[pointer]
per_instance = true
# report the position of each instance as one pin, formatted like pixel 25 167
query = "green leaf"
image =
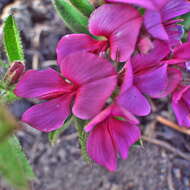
pixel 12 40
pixel 54 135
pixel 72 17
pixel 14 166
pixel 82 135
pixel 186 21
pixel 138 143
pixel 8 124
pixel 84 6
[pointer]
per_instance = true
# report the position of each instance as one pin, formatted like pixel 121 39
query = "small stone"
pixel 186 182
pixel 163 170
pixel 53 160
pixel 62 154
pixel 46 169
pixel 163 154
pixel 177 173
pixel 162 177
pixel 115 187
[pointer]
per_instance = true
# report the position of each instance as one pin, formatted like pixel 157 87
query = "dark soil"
pixel 61 167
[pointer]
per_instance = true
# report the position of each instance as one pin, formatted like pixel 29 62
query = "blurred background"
pixel 162 163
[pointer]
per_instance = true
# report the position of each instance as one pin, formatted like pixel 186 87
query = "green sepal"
pixel 186 22
pixel 71 16
pixel 14 167
pixel 54 135
pixel 139 143
pixel 6 93
pixel 12 41
pixel 82 135
pixel 84 6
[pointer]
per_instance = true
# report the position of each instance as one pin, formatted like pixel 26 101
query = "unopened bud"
pixel 145 45
pixel 14 72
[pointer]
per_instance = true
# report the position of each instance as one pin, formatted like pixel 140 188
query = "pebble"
pixel 62 154
pixel 163 154
pixel 186 182
pixel 116 187
pixel 177 173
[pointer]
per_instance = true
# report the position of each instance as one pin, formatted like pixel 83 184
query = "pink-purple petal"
pixel 82 67
pixel 175 33
pixel 50 115
pixel 178 94
pixel 115 22
pixel 175 8
pixel 153 24
pixel 120 111
pixel 182 51
pixel 42 84
pixel 123 41
pixel 131 99
pixel 124 135
pixel 152 82
pixel 98 118
pixel 145 44
pixel 141 61
pixel 91 97
pixel 76 42
pixel 174 78
pixel 100 147
pixel 128 77
pixel 149 4
pixel 182 113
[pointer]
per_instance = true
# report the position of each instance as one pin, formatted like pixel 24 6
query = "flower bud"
pixel 145 44
pixel 14 72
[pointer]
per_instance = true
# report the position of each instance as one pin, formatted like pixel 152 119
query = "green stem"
pixel 79 124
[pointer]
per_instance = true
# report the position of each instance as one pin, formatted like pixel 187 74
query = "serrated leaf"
pixel 54 135
pixel 12 40
pixel 82 135
pixel 84 6
pixel 8 124
pixel 72 17
pixel 14 166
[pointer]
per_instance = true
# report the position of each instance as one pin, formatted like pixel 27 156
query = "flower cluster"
pixel 106 77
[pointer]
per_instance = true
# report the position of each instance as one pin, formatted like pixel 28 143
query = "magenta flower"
pixel 160 25
pixel 113 22
pixel 182 52
pixel 181 55
pixel 147 74
pixel 72 43
pixel 149 4
pixel 181 105
pixel 110 135
pixel 90 81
